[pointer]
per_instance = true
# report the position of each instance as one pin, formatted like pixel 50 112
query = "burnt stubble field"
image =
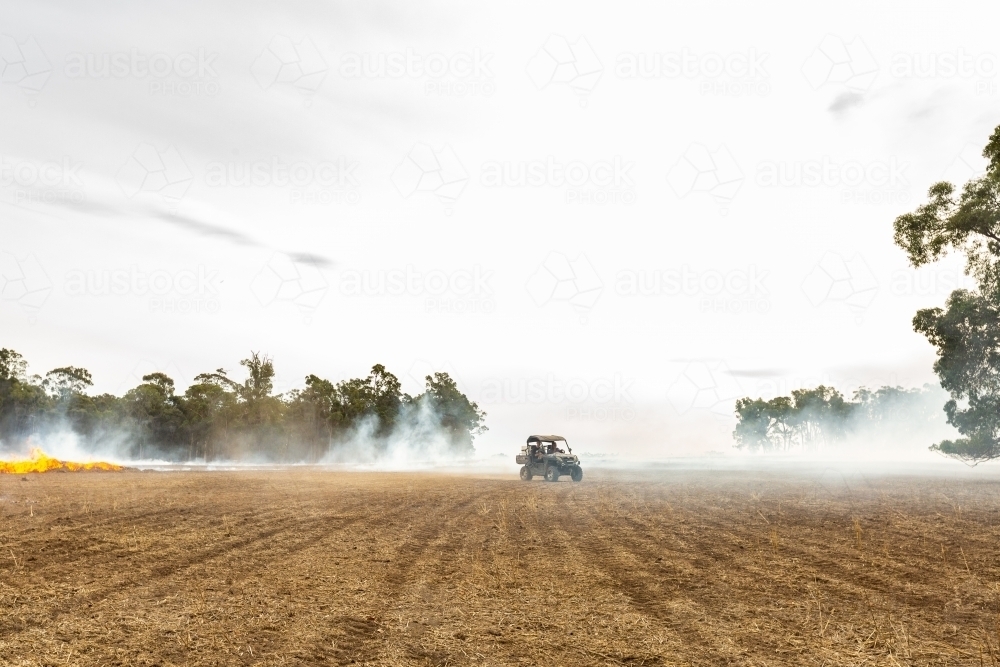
pixel 641 568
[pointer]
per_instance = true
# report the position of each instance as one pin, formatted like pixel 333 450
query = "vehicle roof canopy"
pixel 545 438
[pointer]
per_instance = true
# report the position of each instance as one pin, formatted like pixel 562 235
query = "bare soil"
pixel 657 568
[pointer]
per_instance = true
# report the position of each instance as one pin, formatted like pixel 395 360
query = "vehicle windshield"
pixel 552 447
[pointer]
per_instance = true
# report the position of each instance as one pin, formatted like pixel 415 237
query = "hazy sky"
pixel 606 220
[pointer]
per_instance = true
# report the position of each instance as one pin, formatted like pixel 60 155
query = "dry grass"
pixel 675 568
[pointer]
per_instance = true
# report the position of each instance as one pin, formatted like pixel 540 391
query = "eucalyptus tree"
pixel 966 332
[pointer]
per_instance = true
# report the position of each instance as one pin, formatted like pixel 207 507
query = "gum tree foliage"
pixel 222 417
pixel 966 332
pixel 814 418
pixel 22 398
pixel 460 418
pixel 808 418
pixel 151 413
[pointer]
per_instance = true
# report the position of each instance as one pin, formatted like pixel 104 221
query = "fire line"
pixel 39 461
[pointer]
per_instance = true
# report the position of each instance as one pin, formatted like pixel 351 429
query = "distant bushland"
pixel 813 419
pixel 222 417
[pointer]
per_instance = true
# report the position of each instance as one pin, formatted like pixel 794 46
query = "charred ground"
pixel 705 568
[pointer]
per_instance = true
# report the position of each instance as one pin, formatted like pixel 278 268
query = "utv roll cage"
pixel 553 439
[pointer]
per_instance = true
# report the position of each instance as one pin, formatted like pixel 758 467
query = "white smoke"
pixel 60 441
pixel 417 441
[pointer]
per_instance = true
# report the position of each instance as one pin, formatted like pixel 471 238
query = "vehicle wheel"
pixel 525 473
pixel 576 474
pixel 552 474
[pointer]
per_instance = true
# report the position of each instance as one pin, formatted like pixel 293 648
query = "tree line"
pixel 220 417
pixel 814 418
pixel 965 333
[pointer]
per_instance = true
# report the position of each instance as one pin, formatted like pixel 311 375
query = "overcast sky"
pixel 605 220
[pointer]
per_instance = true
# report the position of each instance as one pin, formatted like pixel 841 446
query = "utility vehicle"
pixel 541 455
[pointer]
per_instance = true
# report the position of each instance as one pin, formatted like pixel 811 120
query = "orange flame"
pixel 40 462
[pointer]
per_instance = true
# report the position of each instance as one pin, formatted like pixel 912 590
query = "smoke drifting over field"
pixel 369 422
pixel 217 418
pixel 417 440
pixel 889 423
